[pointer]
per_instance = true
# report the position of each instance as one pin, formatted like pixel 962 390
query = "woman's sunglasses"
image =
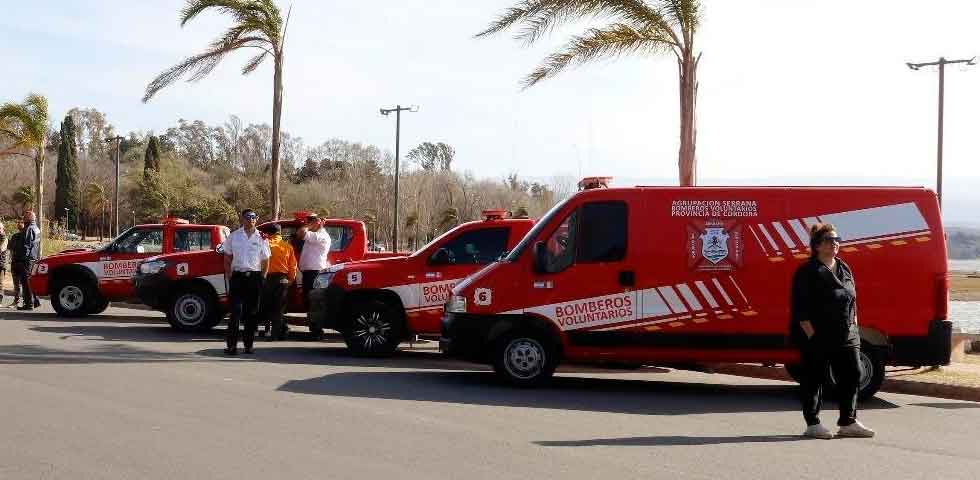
pixel 831 239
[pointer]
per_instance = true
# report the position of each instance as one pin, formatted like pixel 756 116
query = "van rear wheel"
pixel 525 358
pixel 872 372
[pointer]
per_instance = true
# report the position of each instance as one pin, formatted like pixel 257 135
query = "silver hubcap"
pixel 867 368
pixel 867 371
pixel 524 358
pixel 71 297
pixel 189 310
pixel 372 330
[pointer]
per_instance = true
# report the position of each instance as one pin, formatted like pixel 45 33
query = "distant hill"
pixel 964 243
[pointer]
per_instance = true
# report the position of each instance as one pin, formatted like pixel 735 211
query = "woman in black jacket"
pixel 824 326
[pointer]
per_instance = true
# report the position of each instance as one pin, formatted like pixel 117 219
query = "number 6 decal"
pixel 483 297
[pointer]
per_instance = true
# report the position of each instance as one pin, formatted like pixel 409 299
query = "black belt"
pixel 245 274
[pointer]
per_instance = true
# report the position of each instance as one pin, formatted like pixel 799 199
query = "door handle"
pixel 627 278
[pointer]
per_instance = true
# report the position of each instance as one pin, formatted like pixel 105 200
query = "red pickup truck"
pixel 190 287
pixel 84 281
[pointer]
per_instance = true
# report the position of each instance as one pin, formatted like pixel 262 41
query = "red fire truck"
pixel 376 304
pixel 656 275
pixel 190 287
pixel 84 281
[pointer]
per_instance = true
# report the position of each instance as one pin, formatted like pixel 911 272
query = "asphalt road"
pixel 122 396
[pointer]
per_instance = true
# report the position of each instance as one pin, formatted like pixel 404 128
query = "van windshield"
pixel 535 231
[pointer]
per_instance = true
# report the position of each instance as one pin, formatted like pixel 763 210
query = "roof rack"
pixel 174 221
pixel 498 214
pixel 592 183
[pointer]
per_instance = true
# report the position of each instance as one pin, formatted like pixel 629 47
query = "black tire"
pixel 99 305
pixel 795 372
pixel 73 297
pixel 872 372
pixel 193 310
pixel 525 358
pixel 373 328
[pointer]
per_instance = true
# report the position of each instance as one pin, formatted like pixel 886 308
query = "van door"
pixel 583 275
pixel 449 263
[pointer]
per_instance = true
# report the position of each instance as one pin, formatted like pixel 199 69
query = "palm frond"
pixel 686 13
pixel 193 8
pixel 612 41
pixel 541 17
pixel 254 63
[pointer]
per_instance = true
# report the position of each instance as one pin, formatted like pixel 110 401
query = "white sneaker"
pixel 818 431
pixel 855 430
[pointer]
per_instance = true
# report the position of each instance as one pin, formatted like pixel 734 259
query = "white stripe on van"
pixel 756 235
pixel 689 296
pixel 768 237
pixel 673 300
pixel 724 294
pixel 740 292
pixel 801 232
pixel 652 304
pixel 707 294
pixel 782 234
pixel 878 221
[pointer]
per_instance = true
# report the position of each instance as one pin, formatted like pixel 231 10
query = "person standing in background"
pixel 313 259
pixel 30 252
pixel 282 273
pixel 14 247
pixel 4 240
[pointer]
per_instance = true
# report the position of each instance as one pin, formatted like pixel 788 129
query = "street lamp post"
pixel 67 221
pixel 942 62
pixel 398 126
pixel 115 194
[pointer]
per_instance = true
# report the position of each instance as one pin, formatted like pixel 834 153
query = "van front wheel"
pixel 525 359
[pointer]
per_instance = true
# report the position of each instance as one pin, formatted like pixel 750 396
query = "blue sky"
pixel 789 89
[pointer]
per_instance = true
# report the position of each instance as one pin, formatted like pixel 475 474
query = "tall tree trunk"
pixel 686 161
pixel 276 118
pixel 39 191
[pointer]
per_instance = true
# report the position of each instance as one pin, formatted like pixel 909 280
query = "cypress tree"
pixel 66 183
pixel 151 159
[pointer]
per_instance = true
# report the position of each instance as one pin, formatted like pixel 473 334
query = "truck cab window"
pixel 340 238
pixel 476 247
pixel 560 246
pixel 141 241
pixel 192 240
pixel 603 233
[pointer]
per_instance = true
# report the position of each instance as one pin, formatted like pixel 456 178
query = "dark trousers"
pixel 273 304
pixel 22 273
pixel 243 295
pixel 309 276
pixel 846 365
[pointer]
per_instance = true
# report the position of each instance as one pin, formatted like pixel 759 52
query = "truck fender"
pixel 873 336
pixel 73 270
pixel 526 321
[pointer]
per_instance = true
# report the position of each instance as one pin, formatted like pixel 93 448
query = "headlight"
pixel 153 267
pixel 456 304
pixel 323 280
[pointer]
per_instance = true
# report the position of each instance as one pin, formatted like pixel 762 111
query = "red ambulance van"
pixel 661 275
pixel 84 281
pixel 376 304
pixel 190 287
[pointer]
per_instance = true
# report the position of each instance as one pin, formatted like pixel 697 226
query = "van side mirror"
pixel 540 257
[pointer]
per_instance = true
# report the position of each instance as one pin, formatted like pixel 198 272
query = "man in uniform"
pixel 246 265
pixel 313 259
pixel 282 273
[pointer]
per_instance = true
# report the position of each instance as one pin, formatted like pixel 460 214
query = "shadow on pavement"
pixel 947 405
pixel 36 316
pixel 130 333
pixel 335 354
pixel 646 397
pixel 110 353
pixel 670 441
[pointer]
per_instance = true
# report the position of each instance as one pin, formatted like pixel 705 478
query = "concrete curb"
pixel 892 385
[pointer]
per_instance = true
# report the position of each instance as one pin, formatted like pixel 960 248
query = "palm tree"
pixel 23 197
pixel 97 200
pixel 24 131
pixel 644 27
pixel 257 24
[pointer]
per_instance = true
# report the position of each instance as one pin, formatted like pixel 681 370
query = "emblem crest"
pixel 714 244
